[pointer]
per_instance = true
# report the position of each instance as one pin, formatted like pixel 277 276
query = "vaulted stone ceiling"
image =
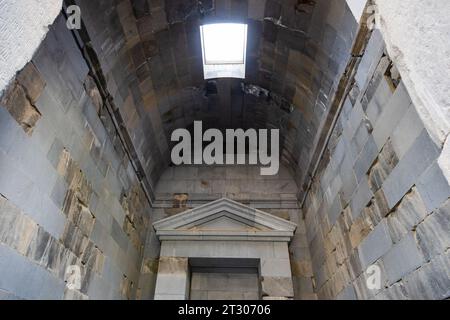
pixel 150 53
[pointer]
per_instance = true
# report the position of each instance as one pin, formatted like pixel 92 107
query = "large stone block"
pixel 172 278
pixel 395 292
pixel 303 287
pixel 433 233
pixel 408 129
pixel 361 198
pixel 18 231
pixel 407 216
pixel 20 107
pixel 402 259
pixel 348 178
pixel 378 80
pixel 379 101
pixel 419 157
pixel 354 122
pixel 31 81
pixel 276 267
pixel 391 116
pixel 433 187
pixel 431 282
pixel 365 160
pixel 335 210
pixel 36 282
pixel 10 131
pixel 347 294
pixel 359 230
pixel 119 235
pixel 375 245
pixel 372 56
pixel 277 287
pixel 359 140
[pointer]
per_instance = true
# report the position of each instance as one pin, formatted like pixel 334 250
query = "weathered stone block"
pixel 433 233
pixel 347 294
pixel 407 131
pixel 361 198
pixel 335 210
pixel 359 140
pixel 276 267
pixel 359 230
pixel 277 287
pixel 378 208
pixel 348 178
pixel 379 101
pixel 20 107
pixel 407 216
pixel 375 245
pixel 433 187
pixel 378 173
pixel 395 292
pixel 432 281
pixel 372 56
pixel 391 116
pixel 402 259
pixel 31 81
pixel 172 277
pixel 406 173
pixel 365 160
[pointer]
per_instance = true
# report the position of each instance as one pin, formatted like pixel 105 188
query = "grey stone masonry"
pixel 57 149
pixel 403 258
pixel 375 245
pixel 419 157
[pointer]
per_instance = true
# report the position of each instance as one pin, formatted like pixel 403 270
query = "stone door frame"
pixel 252 234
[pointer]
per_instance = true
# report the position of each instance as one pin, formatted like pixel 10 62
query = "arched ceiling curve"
pixel 150 53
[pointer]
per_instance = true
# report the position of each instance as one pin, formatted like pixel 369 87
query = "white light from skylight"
pixel 224 50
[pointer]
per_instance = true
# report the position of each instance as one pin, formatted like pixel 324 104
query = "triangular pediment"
pixel 224 219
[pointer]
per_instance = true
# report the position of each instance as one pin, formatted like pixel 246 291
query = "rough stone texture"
pixel 277 287
pixel 432 233
pixel 20 104
pixel 23 26
pixel 65 186
pixel 402 259
pixel 69 194
pixel 407 215
pixel 224 286
pixel 151 56
pixel 173 279
pixel 375 245
pixel 394 195
pixel 432 281
pixel 419 157
pixel 426 81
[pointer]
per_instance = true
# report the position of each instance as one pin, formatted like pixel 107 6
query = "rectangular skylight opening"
pixel 224 50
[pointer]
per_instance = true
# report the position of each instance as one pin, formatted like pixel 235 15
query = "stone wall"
pixel 185 187
pixel 224 286
pixel 426 23
pixel 68 193
pixel 379 196
pixel 150 53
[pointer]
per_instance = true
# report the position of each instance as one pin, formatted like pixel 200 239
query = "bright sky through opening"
pixel 224 43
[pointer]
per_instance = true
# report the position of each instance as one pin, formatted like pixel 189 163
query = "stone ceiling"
pixel 150 53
